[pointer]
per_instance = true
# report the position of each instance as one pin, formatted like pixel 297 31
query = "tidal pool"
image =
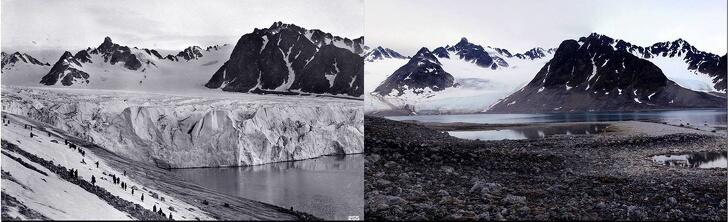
pixel 694 160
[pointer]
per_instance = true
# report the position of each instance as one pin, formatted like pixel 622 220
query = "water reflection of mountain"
pixel 535 133
pixel 325 163
pixel 697 159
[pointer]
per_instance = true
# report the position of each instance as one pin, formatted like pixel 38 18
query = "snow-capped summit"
pixel 288 59
pixel 535 53
pixel 380 53
pixel 68 70
pixel 9 60
pixel 321 38
pixel 192 52
pixel 473 53
pixel 593 75
pixel 422 74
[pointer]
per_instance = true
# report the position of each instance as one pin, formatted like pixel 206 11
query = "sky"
pixel 518 25
pixel 164 24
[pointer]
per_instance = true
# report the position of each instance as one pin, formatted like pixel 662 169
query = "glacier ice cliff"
pixel 186 131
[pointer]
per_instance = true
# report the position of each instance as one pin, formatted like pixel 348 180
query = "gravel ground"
pixel 416 173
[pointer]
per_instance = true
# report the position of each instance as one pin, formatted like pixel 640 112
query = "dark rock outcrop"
pixel 289 59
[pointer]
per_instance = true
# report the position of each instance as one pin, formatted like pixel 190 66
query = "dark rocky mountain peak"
pixel 423 72
pixel 698 61
pixel 475 53
pixel 591 74
pixel 189 53
pixel 67 70
pixel 289 59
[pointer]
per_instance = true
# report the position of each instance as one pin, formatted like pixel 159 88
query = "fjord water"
pixel 329 187
pixel 695 116
pixel 705 119
pixel 529 133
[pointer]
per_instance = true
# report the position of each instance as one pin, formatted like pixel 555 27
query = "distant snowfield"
pixel 676 70
pixel 377 71
pixel 59 199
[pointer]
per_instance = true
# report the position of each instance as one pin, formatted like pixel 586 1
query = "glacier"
pixel 184 131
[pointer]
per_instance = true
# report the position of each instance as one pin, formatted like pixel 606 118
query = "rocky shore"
pixel 417 173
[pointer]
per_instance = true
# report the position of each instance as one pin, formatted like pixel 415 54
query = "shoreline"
pixel 419 173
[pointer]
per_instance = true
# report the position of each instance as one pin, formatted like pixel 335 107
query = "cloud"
pixel 169 24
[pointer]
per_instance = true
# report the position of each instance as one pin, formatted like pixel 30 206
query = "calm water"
pixel 529 133
pixel 705 119
pixel 694 160
pixel 695 117
pixel 329 187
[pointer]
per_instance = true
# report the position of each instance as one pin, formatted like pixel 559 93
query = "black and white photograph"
pixel 182 110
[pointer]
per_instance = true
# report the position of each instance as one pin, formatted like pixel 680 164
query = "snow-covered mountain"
pixel 114 66
pixel 380 53
pixel 288 59
pixel 9 61
pixel 680 61
pixel 22 67
pixel 593 75
pixel 480 77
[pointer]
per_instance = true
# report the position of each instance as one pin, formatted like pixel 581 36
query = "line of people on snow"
pixel 74 172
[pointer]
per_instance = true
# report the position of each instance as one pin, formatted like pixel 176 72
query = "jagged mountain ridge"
pixel 288 59
pixel 72 69
pixel 697 61
pixel 487 57
pixel 9 60
pixel 592 75
pixel 380 53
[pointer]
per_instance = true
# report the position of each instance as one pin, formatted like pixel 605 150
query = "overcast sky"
pixel 518 25
pixel 165 24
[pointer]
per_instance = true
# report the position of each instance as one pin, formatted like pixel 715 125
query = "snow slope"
pixel 58 199
pixel 224 129
pixel 677 70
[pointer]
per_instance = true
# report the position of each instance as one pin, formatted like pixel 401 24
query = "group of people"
pixel 73 173
pixel 117 180
pixel 154 209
